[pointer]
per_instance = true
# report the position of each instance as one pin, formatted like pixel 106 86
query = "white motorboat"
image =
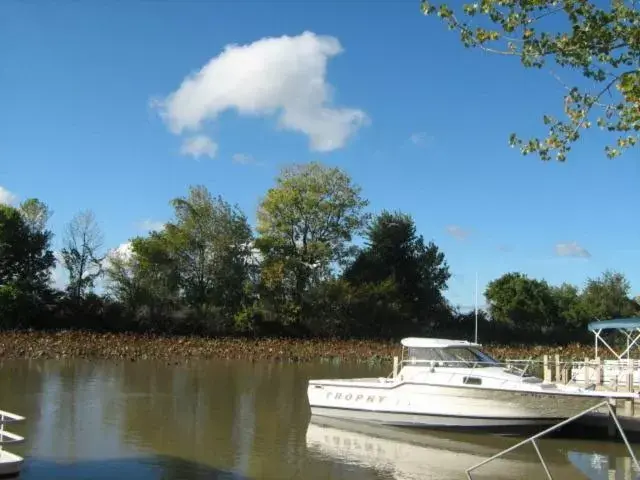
pixel 441 383
pixel 10 463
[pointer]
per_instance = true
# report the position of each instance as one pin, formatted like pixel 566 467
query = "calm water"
pixel 241 420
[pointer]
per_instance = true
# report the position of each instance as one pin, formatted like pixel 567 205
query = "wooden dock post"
pixel 628 468
pixel 545 368
pixel 599 372
pixel 612 429
pixel 586 371
pixel 558 367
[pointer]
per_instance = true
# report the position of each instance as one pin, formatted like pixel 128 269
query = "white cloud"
pixel 457 232
pixel 149 225
pixel 124 251
pixel 571 250
pixel 284 76
pixel 420 138
pixel 199 145
pixel 59 274
pixel 6 197
pixel 243 158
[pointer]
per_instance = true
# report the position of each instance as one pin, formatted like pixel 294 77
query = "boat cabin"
pixel 439 352
pixel 440 359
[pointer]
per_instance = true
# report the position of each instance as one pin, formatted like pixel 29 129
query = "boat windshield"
pixel 452 357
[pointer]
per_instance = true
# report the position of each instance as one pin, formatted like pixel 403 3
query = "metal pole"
pixel 555 427
pixel 622 434
pixel 544 465
pixel 476 336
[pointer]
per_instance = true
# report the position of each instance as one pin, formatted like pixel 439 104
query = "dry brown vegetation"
pixel 91 345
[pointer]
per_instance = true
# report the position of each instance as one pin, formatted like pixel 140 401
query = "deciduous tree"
pixel 417 271
pixel 199 263
pixel 36 214
pixel 211 241
pixel 607 297
pixel 83 242
pixel 25 266
pixel 571 307
pixel 144 278
pixel 306 223
pixel 25 256
pixel 526 303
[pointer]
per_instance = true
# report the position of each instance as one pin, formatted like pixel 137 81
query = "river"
pixel 242 420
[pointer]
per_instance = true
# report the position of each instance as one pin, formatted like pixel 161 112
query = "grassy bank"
pixel 91 345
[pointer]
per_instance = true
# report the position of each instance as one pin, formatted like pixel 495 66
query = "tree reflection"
pixel 242 416
pixel 206 419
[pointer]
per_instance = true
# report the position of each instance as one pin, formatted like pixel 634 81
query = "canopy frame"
pixel 630 327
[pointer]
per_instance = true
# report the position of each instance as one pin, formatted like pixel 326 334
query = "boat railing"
pixel 608 375
pixel 614 373
pixel 533 440
pixel 8 417
pixel 436 363
pixel 608 372
pixel 5 435
pixel 510 365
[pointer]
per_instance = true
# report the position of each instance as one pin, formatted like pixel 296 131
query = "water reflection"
pixel 159 467
pixel 235 420
pixel 407 455
pixel 596 466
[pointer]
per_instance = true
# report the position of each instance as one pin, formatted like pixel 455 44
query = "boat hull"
pixel 436 422
pixel 444 407
pixel 10 464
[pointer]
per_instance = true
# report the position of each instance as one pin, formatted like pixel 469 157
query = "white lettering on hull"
pixel 355 398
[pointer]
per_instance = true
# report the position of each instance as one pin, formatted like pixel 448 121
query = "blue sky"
pixel 87 121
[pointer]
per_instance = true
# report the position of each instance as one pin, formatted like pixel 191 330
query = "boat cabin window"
pixel 472 381
pixel 463 357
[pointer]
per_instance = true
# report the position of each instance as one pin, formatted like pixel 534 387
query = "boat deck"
pixel 382 381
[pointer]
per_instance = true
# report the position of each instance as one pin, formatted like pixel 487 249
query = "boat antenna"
pixel 476 310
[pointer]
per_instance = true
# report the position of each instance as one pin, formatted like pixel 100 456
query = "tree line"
pixel 301 273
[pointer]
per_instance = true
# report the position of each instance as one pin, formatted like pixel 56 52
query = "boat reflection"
pixel 598 466
pixel 404 454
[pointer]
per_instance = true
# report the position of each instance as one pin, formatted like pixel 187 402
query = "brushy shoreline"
pixel 130 346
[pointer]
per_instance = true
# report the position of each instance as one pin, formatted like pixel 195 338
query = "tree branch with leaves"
pixel 602 44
